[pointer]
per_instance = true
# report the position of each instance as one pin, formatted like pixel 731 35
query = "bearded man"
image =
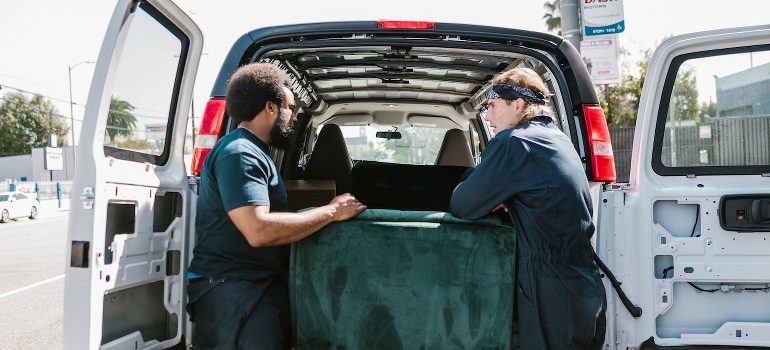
pixel 238 277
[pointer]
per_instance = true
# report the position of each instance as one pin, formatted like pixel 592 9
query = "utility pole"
pixel 72 114
pixel 570 22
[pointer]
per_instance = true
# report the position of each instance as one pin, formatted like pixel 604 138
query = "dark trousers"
pixel 239 314
pixel 560 306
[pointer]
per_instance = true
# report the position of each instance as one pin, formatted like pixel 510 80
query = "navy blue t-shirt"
pixel 237 172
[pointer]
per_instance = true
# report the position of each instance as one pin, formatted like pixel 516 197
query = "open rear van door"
pixel 131 204
pixel 689 235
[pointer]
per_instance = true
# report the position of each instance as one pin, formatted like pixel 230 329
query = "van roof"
pixel 448 64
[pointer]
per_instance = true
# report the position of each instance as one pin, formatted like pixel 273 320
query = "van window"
pixel 417 145
pixel 142 102
pixel 476 145
pixel 715 115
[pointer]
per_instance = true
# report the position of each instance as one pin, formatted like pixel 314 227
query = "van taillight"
pixel 599 144
pixel 208 133
pixel 406 24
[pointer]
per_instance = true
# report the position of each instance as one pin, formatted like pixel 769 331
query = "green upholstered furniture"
pixel 392 279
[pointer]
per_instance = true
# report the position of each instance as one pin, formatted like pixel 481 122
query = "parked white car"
pixel 14 205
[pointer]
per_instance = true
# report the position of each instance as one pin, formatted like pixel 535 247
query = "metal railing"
pixel 42 190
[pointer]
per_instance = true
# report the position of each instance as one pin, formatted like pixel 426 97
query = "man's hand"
pixel 499 207
pixel 346 206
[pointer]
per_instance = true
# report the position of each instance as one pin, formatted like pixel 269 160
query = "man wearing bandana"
pixel 531 170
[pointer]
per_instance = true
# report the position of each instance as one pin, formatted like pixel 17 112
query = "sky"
pixel 43 41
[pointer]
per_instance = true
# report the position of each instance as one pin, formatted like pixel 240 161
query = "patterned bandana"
pixel 510 92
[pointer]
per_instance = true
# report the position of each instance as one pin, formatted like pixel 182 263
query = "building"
pixel 744 92
pixel 32 167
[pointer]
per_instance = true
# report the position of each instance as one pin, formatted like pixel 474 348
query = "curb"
pixel 52 205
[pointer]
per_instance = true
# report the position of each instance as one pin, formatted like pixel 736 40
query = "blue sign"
pixel 614 28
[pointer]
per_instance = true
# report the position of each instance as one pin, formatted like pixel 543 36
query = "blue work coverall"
pixel 534 170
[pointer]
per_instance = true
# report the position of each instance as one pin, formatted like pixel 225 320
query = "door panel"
pixel 129 217
pixel 701 142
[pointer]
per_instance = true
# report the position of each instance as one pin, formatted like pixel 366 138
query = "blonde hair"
pixel 527 78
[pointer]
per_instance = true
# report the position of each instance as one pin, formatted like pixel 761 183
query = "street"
pixel 32 255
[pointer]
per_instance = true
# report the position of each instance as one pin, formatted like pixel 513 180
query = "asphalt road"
pixel 32 254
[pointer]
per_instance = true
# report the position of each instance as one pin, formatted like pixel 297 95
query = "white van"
pixel 683 245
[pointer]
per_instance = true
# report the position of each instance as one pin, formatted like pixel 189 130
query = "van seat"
pixel 330 159
pixel 455 150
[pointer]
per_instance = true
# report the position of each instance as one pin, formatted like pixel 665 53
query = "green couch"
pixel 392 279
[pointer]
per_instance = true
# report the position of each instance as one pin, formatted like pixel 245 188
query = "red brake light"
pixel 208 132
pixel 599 144
pixel 406 24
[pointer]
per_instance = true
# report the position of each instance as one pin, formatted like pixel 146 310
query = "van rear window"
pixel 414 145
pixel 714 115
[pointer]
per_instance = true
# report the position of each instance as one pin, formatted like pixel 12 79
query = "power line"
pixel 83 105
pixel 144 117
pixel 61 116
pixel 115 111
pixel 17 78
pixel 37 94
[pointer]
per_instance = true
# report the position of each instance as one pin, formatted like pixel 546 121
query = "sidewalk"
pixel 51 207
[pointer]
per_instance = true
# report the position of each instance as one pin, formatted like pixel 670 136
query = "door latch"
pixel 745 212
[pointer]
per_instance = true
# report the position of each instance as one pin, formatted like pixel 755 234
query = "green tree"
pixel 372 151
pixel 26 123
pixel 418 145
pixel 708 110
pixel 134 144
pixel 120 120
pixel 621 102
pixel 685 95
pixel 552 16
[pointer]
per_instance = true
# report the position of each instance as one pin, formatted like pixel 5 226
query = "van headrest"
pixel 455 150
pixel 330 159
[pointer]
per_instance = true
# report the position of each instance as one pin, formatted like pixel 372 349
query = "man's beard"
pixel 282 135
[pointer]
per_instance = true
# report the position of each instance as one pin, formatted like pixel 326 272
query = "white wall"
pixel 32 166
pixel 16 167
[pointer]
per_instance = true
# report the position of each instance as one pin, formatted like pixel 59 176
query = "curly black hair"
pixel 251 87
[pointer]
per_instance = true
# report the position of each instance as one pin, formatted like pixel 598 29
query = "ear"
pixel 519 103
pixel 271 107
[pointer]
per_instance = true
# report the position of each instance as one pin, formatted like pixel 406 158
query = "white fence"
pixel 42 190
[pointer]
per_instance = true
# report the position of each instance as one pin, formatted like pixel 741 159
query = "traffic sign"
pixel 602 17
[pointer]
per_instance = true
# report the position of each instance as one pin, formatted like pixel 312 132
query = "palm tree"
pixel 120 121
pixel 552 16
